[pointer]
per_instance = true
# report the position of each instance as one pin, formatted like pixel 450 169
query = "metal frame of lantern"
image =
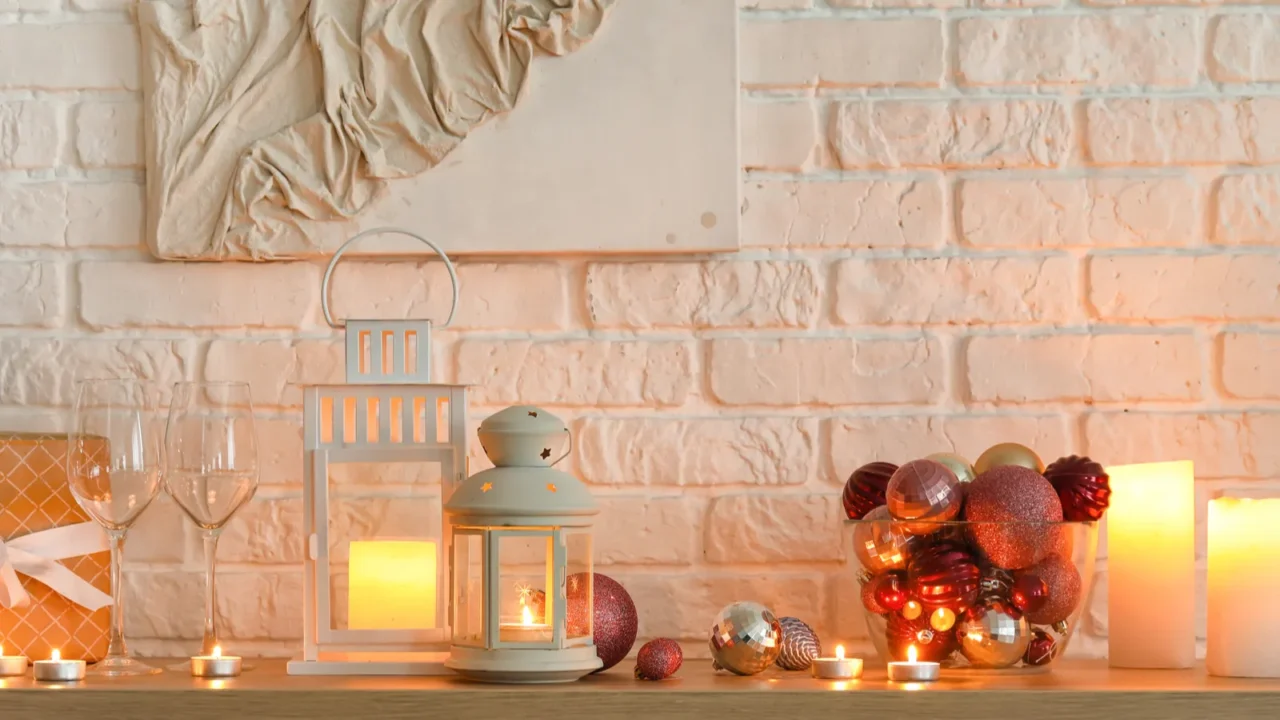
pixel 387 412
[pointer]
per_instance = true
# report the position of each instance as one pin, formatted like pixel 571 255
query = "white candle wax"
pixel 1243 638
pixel 838 667
pixel 12 665
pixel 55 669
pixel 216 665
pixel 1151 575
pixel 912 670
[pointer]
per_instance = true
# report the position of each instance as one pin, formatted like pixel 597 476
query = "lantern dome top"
pixel 523 419
pixel 522 496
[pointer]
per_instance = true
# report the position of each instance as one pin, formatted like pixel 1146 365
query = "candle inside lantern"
pixel 912 670
pixel 12 665
pixel 838 667
pixel 392 585
pixel 1243 638
pixel 1151 574
pixel 215 665
pixel 526 630
pixel 55 669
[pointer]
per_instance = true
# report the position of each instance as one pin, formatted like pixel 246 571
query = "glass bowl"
pixel 933 586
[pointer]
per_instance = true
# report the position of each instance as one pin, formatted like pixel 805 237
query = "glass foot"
pixel 122 667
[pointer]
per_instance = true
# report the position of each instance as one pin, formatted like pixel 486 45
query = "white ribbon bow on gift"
pixel 37 555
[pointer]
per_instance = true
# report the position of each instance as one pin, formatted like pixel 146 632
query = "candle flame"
pixel 839 652
pixel 528 615
pixel 217 651
pixel 56 656
pixel 911 654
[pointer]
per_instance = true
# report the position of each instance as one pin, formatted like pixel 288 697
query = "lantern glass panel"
pixel 526 587
pixel 468 588
pixel 578 584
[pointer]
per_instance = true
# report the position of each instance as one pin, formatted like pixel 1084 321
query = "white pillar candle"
pixel 1244 588
pixel 1151 575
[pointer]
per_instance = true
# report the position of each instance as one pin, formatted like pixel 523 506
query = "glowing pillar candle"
pixel 392 585
pixel 1244 588
pixel 1151 574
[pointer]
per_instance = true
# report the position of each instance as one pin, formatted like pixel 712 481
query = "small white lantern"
pixel 376 604
pixel 521 558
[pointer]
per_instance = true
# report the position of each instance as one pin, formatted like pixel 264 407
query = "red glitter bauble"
pixel 931 645
pixel 1029 593
pixel 888 591
pixel 1041 649
pixel 1064 589
pixel 864 491
pixel 1083 487
pixel 944 575
pixel 658 659
pixel 1010 506
pixel 614 616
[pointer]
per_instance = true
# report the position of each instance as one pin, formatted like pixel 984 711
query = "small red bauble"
pixel 865 489
pixel 1029 593
pixel 1040 650
pixel 1083 487
pixel 889 591
pixel 944 575
pixel 930 644
pixel 1064 596
pixel 1009 506
pixel 658 659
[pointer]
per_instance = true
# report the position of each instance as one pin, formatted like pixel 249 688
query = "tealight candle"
pixel 912 670
pixel 838 667
pixel 55 669
pixel 215 665
pixel 12 665
pixel 524 631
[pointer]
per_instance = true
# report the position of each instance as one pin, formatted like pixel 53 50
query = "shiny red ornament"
pixel 889 591
pixel 614 619
pixel 931 645
pixel 864 491
pixel 1083 487
pixel 944 575
pixel 1064 585
pixel 658 659
pixel 1040 650
pixel 1029 593
pixel 1008 507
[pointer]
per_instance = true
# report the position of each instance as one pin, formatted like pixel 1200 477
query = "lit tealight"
pixel 55 669
pixel 838 667
pixel 12 665
pixel 913 670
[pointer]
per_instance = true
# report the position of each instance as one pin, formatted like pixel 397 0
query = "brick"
pixel 92 5
pixel 29 5
pixel 261 605
pixel 1165 287
pixel 276 369
pixel 89 56
pixel 950 291
pixel 679 605
pixel 856 441
pixel 109 134
pixel 1245 48
pixel 781 136
pixel 40 371
pixel 960 134
pixel 506 297
pixel 1249 365
pixel 1164 131
pixel 741 294
pixel 229 295
pixel 577 372
pixel 34 215
pixel 1083 368
pixel 1128 212
pixel 647 531
pixel 839 53
pixel 1247 210
pixel 166 604
pixel 1223 445
pixel 266 530
pixel 158 535
pixel 774 528
pixel 856 4
pixel 31 133
pixel 849 214
pixel 106 215
pixel 697 452
pixel 827 371
pixel 32 294
pixel 1103 50
pixel 280 450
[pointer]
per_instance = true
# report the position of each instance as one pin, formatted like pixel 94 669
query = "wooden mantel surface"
pixel 1073 690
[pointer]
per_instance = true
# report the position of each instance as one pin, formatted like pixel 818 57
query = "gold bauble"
pixel 958 465
pixel 1008 454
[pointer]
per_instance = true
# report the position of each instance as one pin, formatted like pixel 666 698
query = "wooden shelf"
pixel 1072 691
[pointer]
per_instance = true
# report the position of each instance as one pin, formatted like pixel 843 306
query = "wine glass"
pixel 211 468
pixel 113 468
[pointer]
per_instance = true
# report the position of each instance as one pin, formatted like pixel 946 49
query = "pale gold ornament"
pixel 993 634
pixel 1008 454
pixel 958 465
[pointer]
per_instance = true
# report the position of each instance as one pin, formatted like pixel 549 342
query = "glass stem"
pixel 211 597
pixel 115 641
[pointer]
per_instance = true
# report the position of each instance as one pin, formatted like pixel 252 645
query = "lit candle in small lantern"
pixel 1151 574
pixel 55 669
pixel 526 630
pixel 838 667
pixel 392 585
pixel 912 670
pixel 1243 638
pixel 12 665
pixel 215 665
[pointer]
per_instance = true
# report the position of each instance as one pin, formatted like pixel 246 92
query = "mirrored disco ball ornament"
pixel 745 639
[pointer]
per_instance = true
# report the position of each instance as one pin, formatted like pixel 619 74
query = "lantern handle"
pixel 568 452
pixel 333 262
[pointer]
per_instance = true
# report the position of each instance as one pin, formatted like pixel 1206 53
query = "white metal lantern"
pixel 521 558
pixel 375 579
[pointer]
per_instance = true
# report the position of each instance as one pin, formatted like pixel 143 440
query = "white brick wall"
pixel 967 221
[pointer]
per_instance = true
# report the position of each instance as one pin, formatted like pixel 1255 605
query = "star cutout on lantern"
pixel 551 487
pixel 486 487
pixel 546 453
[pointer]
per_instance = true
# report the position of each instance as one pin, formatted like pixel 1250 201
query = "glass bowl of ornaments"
pixel 983 567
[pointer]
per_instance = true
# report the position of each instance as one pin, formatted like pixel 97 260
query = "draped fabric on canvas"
pixel 301 110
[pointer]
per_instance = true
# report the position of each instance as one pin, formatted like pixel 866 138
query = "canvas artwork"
pixel 280 128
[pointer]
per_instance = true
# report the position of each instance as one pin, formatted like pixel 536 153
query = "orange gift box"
pixel 35 496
